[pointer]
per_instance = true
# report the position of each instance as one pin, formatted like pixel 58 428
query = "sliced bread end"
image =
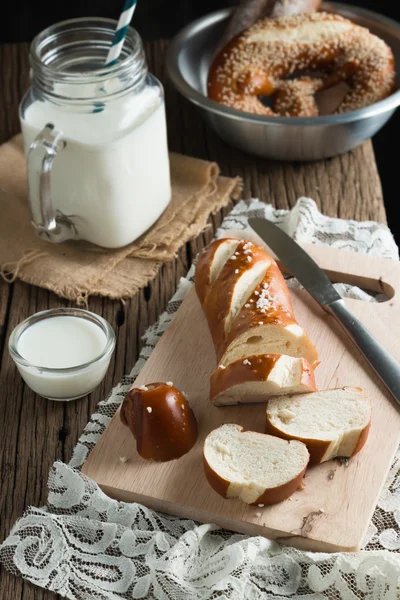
pixel 257 468
pixel 261 334
pixel 331 422
pixel 257 378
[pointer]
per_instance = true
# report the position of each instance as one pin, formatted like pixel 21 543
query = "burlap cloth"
pixel 77 270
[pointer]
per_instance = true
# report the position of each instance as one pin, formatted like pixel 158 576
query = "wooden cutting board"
pixel 334 509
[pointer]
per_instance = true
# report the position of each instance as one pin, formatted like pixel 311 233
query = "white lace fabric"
pixel 84 545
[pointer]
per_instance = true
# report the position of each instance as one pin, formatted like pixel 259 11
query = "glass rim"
pixel 103 24
pixel 56 312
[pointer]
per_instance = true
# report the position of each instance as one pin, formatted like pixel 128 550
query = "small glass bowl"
pixel 67 383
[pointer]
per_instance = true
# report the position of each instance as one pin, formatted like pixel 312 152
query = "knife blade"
pixel 316 282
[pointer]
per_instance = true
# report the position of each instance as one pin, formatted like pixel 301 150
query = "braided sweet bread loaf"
pixel 250 316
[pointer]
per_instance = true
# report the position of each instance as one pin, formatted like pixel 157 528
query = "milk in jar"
pixel 102 132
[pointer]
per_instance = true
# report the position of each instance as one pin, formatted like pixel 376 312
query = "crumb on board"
pixel 123 459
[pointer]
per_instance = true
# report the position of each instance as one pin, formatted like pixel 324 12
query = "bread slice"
pixel 257 468
pixel 262 338
pixel 331 422
pixel 257 378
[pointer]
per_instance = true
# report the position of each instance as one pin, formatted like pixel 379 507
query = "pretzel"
pixel 292 58
pixel 249 12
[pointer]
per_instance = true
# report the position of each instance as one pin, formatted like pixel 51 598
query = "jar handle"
pixel 49 225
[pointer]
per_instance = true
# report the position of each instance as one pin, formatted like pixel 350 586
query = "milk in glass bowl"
pixel 94 136
pixel 62 353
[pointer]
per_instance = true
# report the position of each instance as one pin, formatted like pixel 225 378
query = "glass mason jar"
pixel 94 136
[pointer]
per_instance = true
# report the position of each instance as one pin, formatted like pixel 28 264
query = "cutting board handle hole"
pixel 369 284
pixel 379 280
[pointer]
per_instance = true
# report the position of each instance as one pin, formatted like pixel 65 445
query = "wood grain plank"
pixel 347 186
pixel 5 299
pixel 30 432
pixel 15 80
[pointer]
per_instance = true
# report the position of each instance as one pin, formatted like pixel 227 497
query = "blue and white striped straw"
pixel 117 43
pixel 120 33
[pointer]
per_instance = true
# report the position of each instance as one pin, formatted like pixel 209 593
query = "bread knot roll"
pixel 161 420
pixel 278 57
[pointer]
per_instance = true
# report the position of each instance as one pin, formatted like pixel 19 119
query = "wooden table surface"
pixel 35 432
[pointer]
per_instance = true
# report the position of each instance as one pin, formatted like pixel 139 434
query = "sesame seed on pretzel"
pixel 292 58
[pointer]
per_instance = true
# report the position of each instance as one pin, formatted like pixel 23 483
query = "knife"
pixel 315 281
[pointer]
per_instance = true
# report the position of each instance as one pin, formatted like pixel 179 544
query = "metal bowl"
pixel 281 138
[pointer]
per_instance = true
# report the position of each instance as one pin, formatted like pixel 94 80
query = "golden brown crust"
pixel 203 268
pixel 247 67
pixel 161 421
pixel 218 483
pixel 269 304
pixel 217 303
pixel 278 494
pixel 362 439
pixel 253 368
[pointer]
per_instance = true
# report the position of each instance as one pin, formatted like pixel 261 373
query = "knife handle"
pixel 386 367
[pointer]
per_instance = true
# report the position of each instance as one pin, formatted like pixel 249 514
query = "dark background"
pixel 153 18
pixel 162 19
